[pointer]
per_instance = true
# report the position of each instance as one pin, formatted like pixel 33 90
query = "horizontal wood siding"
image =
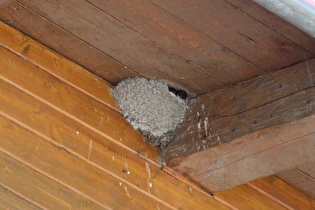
pixel 199 46
pixel 64 144
pixel 64 133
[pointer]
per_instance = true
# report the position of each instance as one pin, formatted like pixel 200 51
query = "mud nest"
pixel 152 107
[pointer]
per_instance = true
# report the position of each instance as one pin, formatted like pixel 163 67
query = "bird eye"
pixel 182 94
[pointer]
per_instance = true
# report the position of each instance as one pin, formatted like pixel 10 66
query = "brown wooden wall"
pixel 200 45
pixel 64 144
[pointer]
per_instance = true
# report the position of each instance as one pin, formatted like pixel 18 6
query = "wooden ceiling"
pixel 64 144
pixel 199 45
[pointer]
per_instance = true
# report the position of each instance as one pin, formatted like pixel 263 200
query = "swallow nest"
pixel 150 107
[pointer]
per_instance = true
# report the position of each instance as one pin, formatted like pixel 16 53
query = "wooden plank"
pixel 244 197
pixel 74 104
pixel 255 153
pixel 308 169
pixel 283 193
pixel 94 148
pixel 40 189
pixel 275 23
pixel 232 170
pixel 280 124
pixel 103 154
pixel 300 181
pixel 214 115
pixel 238 32
pixel 9 200
pixel 127 47
pixel 63 42
pixel 56 65
pixel 180 38
pixel 70 171
pixel 269 87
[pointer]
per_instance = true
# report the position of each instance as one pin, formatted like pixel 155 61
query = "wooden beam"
pixel 248 131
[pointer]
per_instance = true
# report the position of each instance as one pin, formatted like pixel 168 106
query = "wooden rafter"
pixel 253 129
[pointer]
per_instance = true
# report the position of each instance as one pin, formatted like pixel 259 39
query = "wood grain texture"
pixel 31 111
pixel 252 156
pixel 72 103
pixel 283 193
pixel 93 148
pixel 9 200
pixel 180 38
pixel 56 65
pixel 275 23
pixel 68 159
pixel 248 106
pixel 244 197
pixel 65 43
pixel 308 169
pixel 39 188
pixel 300 181
pixel 131 48
pixel 266 126
pixel 225 24
pixel 238 168
pixel 75 174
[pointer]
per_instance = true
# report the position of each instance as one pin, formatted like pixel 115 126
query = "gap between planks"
pixel 66 81
pixel 12 46
pixel 21 196
pixel 113 107
pixel 75 155
pixel 81 122
pixel 158 165
pixel 80 157
pixel 270 196
pixel 175 55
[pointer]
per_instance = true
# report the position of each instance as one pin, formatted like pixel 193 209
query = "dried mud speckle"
pixel 150 107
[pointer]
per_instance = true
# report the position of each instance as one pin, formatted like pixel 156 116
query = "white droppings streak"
pixel 149 177
pixel 219 140
pixel 127 192
pixel 90 149
pixel 190 189
pixel 206 123
pixel 309 71
pixel 148 170
pixel 113 157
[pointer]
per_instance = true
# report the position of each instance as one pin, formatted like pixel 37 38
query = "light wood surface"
pixel 57 153
pixel 46 132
